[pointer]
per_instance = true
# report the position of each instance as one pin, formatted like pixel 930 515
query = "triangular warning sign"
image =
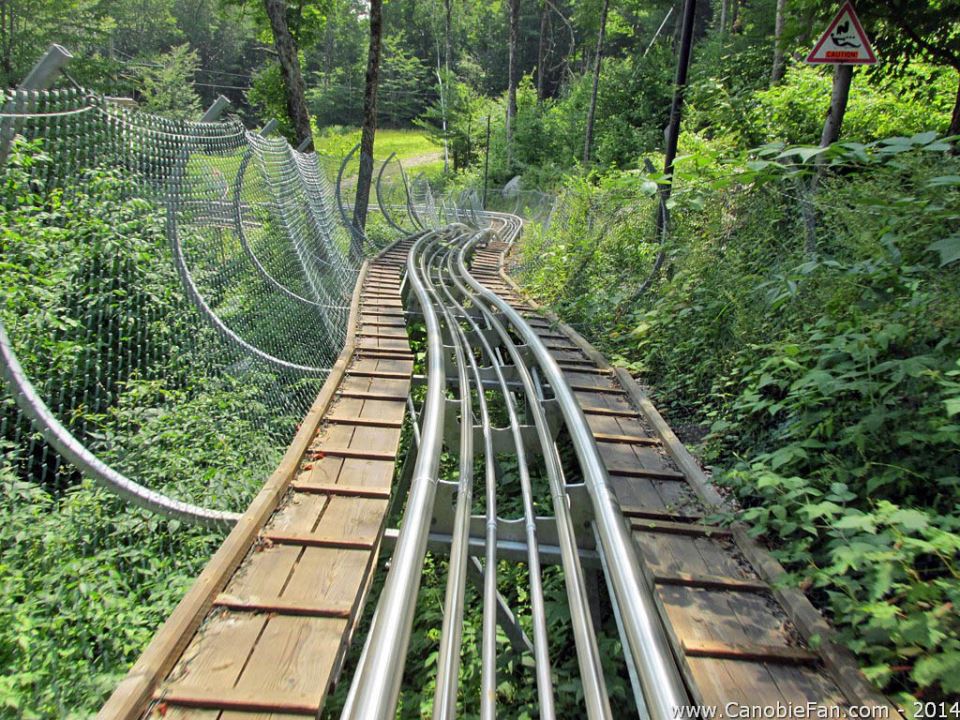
pixel 844 42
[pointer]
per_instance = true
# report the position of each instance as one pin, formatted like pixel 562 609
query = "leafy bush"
pixel 793 111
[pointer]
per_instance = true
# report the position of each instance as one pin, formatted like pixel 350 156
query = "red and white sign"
pixel 844 42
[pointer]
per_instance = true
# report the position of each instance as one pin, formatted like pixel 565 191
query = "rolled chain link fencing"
pixel 167 287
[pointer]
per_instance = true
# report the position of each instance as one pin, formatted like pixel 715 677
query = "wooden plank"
pixel 344 490
pixel 713 582
pixel 678 528
pixel 647 473
pixel 612 412
pixel 341 452
pixel 282 607
pixel 650 514
pixel 384 354
pixel 235 699
pixel 366 422
pixel 626 439
pixel 757 653
pixel 317 541
pixel 584 370
pixel 134 692
pixel 719 681
pixel 371 396
pixel 597 389
pixel 378 374
pixel 295 655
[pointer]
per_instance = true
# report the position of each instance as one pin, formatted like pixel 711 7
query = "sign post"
pixel 843 44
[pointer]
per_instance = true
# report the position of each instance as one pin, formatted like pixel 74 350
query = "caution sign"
pixel 844 42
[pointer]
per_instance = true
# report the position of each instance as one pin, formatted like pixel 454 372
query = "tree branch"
pixel 937 52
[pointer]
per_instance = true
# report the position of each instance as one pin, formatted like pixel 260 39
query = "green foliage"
pixel 86 579
pixel 829 383
pixel 167 84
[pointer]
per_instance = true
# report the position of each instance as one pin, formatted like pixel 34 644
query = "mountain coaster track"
pixel 265 629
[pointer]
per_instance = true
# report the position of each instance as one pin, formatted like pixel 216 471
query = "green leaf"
pixel 909 519
pixel 924 137
pixel 804 153
pixel 941 180
pixel 648 188
pixel 953 406
pixel 856 521
pixel 949 249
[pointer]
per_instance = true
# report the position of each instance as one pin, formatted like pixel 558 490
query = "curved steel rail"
pixel 245 244
pixel 383 208
pixel 33 406
pixel 591 669
pixel 537 602
pixel 376 683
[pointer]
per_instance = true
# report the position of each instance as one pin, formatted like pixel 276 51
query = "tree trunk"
pixel 369 123
pixel 776 73
pixel 842 75
pixel 723 15
pixel 955 120
pixel 591 113
pixel 514 6
pixel 290 69
pixel 542 53
pixel 447 57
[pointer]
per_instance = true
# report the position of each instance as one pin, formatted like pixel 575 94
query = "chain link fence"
pixel 170 290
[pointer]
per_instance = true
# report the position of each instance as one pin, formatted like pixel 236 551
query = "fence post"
pixel 40 77
pixel 47 68
pixel 268 128
pixel 216 109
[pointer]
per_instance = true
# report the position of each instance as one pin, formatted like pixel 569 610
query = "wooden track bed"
pixel 264 630
pixel 737 635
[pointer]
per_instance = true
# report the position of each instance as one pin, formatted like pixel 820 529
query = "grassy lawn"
pixel 413 147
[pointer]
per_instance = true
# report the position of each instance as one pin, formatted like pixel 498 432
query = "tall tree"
pixel 776 72
pixel 514 10
pixel 591 112
pixel 167 85
pixel 542 51
pixel 369 123
pixel 290 69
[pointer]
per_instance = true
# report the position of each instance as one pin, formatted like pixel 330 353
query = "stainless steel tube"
pixel 588 652
pixel 537 604
pixel 451 635
pixel 648 644
pixel 376 683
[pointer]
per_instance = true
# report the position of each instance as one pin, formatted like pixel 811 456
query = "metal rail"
pixel 437 274
pixel 376 684
pixel 649 646
pixel 591 670
pixel 474 361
